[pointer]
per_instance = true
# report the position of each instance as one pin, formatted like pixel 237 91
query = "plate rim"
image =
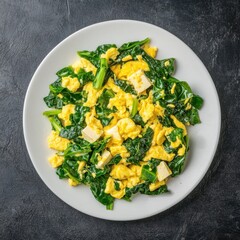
pixel 219 120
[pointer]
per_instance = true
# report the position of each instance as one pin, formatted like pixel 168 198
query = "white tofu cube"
pixel 104 159
pixel 90 135
pixel 113 132
pixel 140 81
pixel 163 171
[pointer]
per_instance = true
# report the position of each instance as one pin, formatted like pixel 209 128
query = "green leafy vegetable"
pixel 134 107
pixel 139 146
pixel 100 76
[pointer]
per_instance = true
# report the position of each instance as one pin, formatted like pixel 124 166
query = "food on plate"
pixel 119 120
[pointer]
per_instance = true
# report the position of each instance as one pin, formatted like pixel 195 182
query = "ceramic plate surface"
pixel 203 137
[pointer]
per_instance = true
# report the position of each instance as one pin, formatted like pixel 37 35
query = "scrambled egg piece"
pixel 119 101
pixel 56 142
pixel 115 149
pixel 179 124
pixel 110 188
pixel 93 122
pixel 127 58
pixel 151 51
pixel 111 53
pixel 71 83
pixel 181 151
pixel 121 172
pixel 83 63
pixel 56 160
pixel 130 67
pixel 146 108
pixel 72 182
pixel 156 185
pixel 159 153
pixel 159 134
pixel 93 95
pixel 128 129
pixel 173 88
pixel 176 143
pixel 67 110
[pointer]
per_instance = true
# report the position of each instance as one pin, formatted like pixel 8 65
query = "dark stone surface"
pixel 29 30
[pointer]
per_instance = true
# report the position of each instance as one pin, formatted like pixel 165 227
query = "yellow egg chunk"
pixel 128 129
pixel 121 172
pixel 130 67
pixel 159 134
pixel 93 94
pixel 71 83
pixel 83 63
pixel 176 143
pixel 81 165
pixel 159 153
pixel 111 53
pixel 116 149
pixel 136 169
pixel 151 51
pixel 119 101
pixel 146 108
pixel 72 182
pixel 173 88
pixel 179 124
pixel 56 161
pixel 156 185
pixel 127 58
pixel 93 122
pixel 188 106
pixel 56 142
pixel 110 188
pixel 133 181
pixel 181 151
pixel 67 110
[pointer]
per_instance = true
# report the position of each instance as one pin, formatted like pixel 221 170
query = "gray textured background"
pixel 28 31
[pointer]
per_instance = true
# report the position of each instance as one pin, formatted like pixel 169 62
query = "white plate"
pixel 203 137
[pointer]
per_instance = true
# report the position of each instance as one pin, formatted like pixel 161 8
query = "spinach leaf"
pixel 176 165
pixel 56 87
pixel 98 147
pixel 101 108
pixel 53 101
pixel 69 170
pixel 78 123
pixel 143 188
pixel 65 72
pixel 55 122
pixel 125 86
pixel 98 187
pixel 148 174
pixel 138 120
pixel 115 160
pixel 139 146
pixel 130 45
pixel 94 56
pixel 85 77
pixel 96 172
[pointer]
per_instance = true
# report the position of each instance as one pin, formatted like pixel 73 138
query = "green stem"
pixel 134 107
pixel 51 112
pixel 98 81
pixel 55 124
